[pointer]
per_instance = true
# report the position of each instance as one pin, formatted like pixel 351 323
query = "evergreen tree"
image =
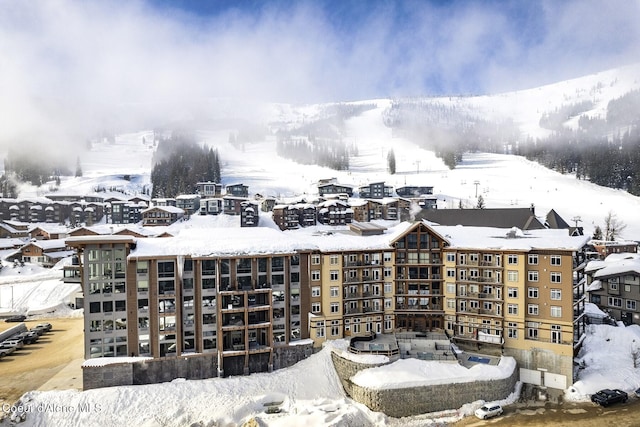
pixel 597 233
pixel 391 161
pixel 78 168
pixel 480 204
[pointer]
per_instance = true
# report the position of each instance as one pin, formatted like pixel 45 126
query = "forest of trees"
pixel 320 142
pixel 605 151
pixel 179 163
pixel 27 166
pixel 447 130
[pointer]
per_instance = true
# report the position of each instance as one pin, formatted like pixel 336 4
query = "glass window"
pixel 166 269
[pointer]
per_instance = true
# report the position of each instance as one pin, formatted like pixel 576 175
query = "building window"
pixel 333 260
pixel 532 309
pixel 451 272
pixel 556 277
pixel 335 330
pixel 320 329
pixel 614 302
pixel 451 288
pixel 387 303
pixel 388 288
pixel 512 259
pixel 556 334
pixel 315 259
pixel 333 275
pixel 315 307
pixel 512 309
pixel 315 291
pixel 451 257
pixel 533 259
pixel 335 307
pixel 631 304
pixel 512 330
pixel 451 303
pixel 533 292
pixel 512 292
pixel 315 275
pixel 387 257
pixel 334 292
pixel 512 276
pixel 533 276
pixel 556 294
pixel 388 272
pixel 555 259
pixel 532 330
pixel 556 311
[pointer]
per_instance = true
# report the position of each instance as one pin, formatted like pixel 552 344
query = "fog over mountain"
pixel 71 69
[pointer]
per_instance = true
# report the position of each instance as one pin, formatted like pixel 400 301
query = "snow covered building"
pixel 613 285
pixel 233 297
pixel 242 298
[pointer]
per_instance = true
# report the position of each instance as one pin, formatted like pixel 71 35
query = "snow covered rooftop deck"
pixel 505 239
pixel 220 242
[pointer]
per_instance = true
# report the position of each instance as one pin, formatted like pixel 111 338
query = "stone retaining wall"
pixel 192 367
pixel 404 402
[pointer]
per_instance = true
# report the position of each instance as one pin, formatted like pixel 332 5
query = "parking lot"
pixel 53 360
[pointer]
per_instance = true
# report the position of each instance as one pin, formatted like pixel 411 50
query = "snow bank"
pixel 406 373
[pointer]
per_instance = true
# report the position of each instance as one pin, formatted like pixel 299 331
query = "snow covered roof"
pixel 625 266
pixel 168 209
pixel 498 238
pixel 220 242
pixel 596 285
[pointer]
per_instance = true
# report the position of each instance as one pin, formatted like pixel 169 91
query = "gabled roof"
pixel 522 218
pixel 555 221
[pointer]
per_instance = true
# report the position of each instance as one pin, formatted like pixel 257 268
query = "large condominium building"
pixel 520 293
pixel 245 294
pixel 351 281
pixel 491 290
pixel 234 294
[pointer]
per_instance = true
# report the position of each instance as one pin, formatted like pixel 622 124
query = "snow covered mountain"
pixel 502 180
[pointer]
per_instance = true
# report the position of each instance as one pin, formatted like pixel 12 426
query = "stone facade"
pixel 404 402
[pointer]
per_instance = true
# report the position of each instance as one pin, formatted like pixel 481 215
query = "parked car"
pixel 488 411
pixel 607 397
pixel 6 351
pixel 7 347
pixel 29 337
pixel 637 392
pixel 17 318
pixel 46 326
pixel 17 343
pixel 38 331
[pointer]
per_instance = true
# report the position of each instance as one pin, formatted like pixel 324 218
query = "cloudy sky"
pixel 90 61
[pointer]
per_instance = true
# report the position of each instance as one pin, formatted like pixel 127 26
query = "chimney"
pixel 533 209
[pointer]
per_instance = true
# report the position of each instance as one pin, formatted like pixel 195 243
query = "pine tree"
pixel 391 162
pixel 480 204
pixel 597 233
pixel 78 168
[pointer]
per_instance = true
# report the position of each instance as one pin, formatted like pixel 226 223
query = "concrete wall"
pixel 195 367
pixel 538 358
pixel 404 402
pixel 13 330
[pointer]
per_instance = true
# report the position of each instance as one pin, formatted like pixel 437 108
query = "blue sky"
pixel 90 60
